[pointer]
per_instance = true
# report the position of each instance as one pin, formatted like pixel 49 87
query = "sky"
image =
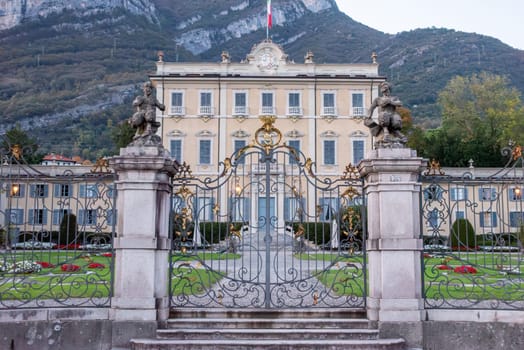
pixel 501 19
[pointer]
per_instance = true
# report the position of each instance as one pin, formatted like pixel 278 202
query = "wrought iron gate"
pixel 268 232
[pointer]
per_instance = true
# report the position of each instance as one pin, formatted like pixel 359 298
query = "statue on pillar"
pixel 387 128
pixel 144 118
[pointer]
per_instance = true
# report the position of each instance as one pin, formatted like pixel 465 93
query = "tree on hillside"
pixel 122 134
pixel 27 144
pixel 480 114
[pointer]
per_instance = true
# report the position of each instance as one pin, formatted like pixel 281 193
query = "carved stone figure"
pixel 387 128
pixel 144 118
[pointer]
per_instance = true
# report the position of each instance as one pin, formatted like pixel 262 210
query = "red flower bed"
pixel 96 265
pixel 45 264
pixel 465 269
pixel 107 255
pixel 444 267
pixel 69 267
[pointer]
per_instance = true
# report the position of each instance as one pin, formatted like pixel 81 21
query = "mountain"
pixel 70 67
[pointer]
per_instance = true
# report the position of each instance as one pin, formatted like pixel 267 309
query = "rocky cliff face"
pixel 197 36
pixel 13 12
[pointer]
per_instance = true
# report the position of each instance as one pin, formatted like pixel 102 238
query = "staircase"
pixel 248 329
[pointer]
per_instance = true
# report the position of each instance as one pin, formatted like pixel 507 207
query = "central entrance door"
pixel 264 211
pixel 267 232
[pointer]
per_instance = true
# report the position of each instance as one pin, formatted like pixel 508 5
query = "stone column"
pixel 394 245
pixel 141 294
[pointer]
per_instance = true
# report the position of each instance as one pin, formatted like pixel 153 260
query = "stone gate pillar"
pixel 141 294
pixel 394 245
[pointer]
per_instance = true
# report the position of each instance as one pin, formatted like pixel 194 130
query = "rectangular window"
pixel 357 104
pixel 14 216
pixel 239 207
pixel 176 149
pixel 516 218
pixel 205 103
pixel 488 219
pixel 240 107
pixel 177 103
pixel 459 194
pixel 328 104
pixel 329 152
pixel 37 216
pixel 88 191
pixel 111 191
pixel 459 214
pixel 358 151
pixel 267 103
pixel 515 194
pixel 111 217
pixel 63 190
pixel 487 194
pixel 433 219
pixel 293 156
pixel 238 145
pixel 328 207
pixel 58 215
pixel 294 104
pixel 293 209
pixel 16 190
pixel 39 190
pixel 87 217
pixel 204 152
pixel 204 208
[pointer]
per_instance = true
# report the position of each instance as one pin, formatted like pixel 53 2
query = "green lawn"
pixel 52 282
pixel 190 281
pixel 504 281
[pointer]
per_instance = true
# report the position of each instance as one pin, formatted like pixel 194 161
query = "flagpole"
pixel 268 19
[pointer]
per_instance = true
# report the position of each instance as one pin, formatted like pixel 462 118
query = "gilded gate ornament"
pixel 268 136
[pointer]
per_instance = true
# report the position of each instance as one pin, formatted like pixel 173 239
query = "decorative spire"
pixel 308 58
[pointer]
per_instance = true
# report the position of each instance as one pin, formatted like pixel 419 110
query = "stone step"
pixel 266 313
pixel 254 329
pixel 263 334
pixel 268 323
pixel 268 344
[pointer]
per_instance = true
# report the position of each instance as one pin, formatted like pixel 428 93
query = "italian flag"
pixel 269 19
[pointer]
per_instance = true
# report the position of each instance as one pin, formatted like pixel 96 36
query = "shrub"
pixel 463 235
pixel 317 232
pixel 214 232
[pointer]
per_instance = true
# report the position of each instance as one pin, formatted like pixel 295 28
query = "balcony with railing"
pixel 240 111
pixel 358 112
pixel 177 110
pixel 329 111
pixel 206 111
pixel 267 110
pixel 274 168
pixel 295 111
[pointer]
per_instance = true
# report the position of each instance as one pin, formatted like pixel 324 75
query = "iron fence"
pixel 56 231
pixel 473 229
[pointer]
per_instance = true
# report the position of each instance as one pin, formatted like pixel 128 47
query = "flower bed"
pixel 21 267
pixel 95 265
pixel 69 267
pixel 465 269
